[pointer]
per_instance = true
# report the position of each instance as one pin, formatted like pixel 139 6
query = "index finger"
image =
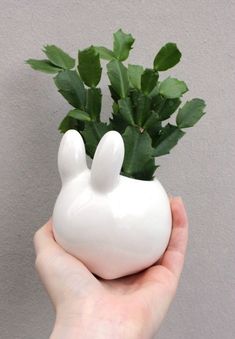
pixel 173 258
pixel 44 239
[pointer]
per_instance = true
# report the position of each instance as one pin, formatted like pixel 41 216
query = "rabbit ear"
pixel 71 155
pixel 107 161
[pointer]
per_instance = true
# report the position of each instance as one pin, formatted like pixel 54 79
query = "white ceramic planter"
pixel 115 225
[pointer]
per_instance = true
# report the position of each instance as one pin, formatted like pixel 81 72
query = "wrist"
pixel 98 330
pixel 90 325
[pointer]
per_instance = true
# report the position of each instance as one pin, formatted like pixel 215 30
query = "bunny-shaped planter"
pixel 114 224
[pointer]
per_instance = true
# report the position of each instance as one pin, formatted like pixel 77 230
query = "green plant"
pixel 142 103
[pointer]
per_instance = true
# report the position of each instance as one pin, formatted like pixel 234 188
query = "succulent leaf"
pixel 44 66
pixel 58 57
pixel 190 113
pixel 168 138
pixel 117 74
pixel 122 44
pixel 168 56
pixel 92 134
pixel 71 87
pixel 172 88
pixel 89 66
pixel 134 75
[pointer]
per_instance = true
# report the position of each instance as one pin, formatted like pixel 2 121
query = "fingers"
pixel 173 258
pixel 47 249
pixel 60 272
pixel 44 239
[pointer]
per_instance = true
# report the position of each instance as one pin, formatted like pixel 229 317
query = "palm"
pixel 144 296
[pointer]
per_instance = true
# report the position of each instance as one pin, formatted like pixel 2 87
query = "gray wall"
pixel 200 169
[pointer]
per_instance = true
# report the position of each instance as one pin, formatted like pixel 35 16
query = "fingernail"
pixel 179 198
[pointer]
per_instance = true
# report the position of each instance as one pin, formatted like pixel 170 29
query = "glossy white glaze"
pixel 115 225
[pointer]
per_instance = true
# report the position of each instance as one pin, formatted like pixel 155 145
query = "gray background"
pixel 200 169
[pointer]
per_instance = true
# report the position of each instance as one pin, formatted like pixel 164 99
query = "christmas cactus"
pixel 142 102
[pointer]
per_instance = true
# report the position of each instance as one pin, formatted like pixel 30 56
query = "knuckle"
pixel 36 237
pixel 173 286
pixel 38 262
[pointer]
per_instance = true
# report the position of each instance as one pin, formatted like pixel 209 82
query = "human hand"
pixel 125 308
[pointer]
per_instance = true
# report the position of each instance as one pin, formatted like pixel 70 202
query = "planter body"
pixel 114 224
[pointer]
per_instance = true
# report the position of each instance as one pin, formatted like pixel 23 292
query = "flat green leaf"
pixel 154 132
pixel 143 109
pixel 157 101
pixel 89 66
pixel 154 92
pixel 147 173
pixel 43 66
pixel 70 123
pixel 168 138
pixel 122 44
pixel 58 57
pixel 152 120
pixel 93 103
pixel 104 53
pixel 190 113
pixel 148 80
pixel 166 107
pixel 167 57
pixel 92 134
pixel 134 95
pixel 71 87
pixel 172 88
pixel 117 123
pixel 125 108
pixel 79 115
pixel 115 108
pixel 114 95
pixel 134 75
pixel 138 154
pixel 117 74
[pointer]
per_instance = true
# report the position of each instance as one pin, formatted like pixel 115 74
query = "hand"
pixel 130 307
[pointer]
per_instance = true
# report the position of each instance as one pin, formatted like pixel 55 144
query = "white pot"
pixel 114 224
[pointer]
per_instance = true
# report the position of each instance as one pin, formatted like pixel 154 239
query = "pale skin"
pixel 132 307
